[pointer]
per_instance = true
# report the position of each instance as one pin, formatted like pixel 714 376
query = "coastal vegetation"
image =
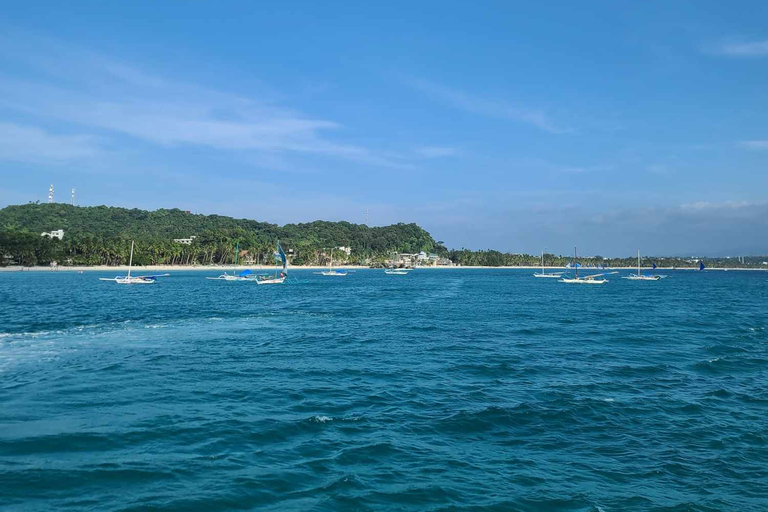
pixel 101 235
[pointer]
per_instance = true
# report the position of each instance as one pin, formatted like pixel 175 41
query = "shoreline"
pixel 229 268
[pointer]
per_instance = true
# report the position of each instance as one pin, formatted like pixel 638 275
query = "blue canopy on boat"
pixel 245 273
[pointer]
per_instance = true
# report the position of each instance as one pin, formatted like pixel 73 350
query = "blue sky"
pixel 516 126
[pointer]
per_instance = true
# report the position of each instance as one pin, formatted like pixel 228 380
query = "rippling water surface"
pixel 441 390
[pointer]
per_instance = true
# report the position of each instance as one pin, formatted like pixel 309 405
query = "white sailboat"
pixel 394 271
pixel 331 271
pixel 277 277
pixel 397 271
pixel 129 279
pixel 550 275
pixel 245 275
pixel 639 276
pixel 590 279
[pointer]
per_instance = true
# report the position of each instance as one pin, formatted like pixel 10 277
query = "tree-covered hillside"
pixel 99 235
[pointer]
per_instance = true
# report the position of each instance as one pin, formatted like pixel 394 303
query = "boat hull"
pixel 584 281
pixel 134 280
pixel 279 280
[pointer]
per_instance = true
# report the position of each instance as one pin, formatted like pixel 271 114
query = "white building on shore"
pixel 59 233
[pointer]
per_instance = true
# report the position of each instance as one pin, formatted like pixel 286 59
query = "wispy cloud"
pixel 699 206
pixel 755 144
pixel 742 49
pixel 436 151
pixel 484 106
pixel 584 169
pixel 107 97
pixel 20 143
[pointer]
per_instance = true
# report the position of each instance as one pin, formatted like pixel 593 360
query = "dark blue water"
pixel 461 389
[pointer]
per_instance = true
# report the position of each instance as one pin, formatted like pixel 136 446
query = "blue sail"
pixel 654 266
pixel 280 256
pixel 701 265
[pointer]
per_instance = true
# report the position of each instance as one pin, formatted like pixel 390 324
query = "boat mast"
pixel 542 262
pixel 130 260
pixel 575 264
pixel 638 263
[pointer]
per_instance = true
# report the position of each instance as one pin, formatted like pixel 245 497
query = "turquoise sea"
pixel 443 390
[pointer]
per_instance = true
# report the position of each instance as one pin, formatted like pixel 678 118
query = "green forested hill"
pixel 108 221
pixel 100 235
pixel 97 235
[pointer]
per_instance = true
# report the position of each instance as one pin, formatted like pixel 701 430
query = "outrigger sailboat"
pixel 277 277
pixel 245 275
pixel 331 271
pixel 590 279
pixel 242 276
pixel 551 275
pixel 639 276
pixel 129 279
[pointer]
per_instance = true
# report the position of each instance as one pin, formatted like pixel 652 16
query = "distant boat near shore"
pixel 245 275
pixel 397 271
pixel 639 276
pixel 129 279
pixel 543 274
pixel 331 271
pixel 277 277
pixel 392 270
pixel 590 279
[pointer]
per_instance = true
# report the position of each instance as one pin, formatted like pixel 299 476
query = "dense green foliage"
pixel 100 236
pixel 492 258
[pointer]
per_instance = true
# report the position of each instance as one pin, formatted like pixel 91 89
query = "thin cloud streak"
pixel 755 144
pixel 22 143
pixel 436 151
pixel 750 49
pixel 107 95
pixel 483 106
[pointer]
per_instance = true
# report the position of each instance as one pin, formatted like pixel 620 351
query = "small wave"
pixel 322 419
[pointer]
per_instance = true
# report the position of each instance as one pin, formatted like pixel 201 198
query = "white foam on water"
pixel 322 419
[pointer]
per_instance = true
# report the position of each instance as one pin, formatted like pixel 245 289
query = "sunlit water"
pixel 440 390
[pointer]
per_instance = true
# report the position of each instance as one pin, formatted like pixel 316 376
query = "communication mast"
pixel 73 197
pixel 50 194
